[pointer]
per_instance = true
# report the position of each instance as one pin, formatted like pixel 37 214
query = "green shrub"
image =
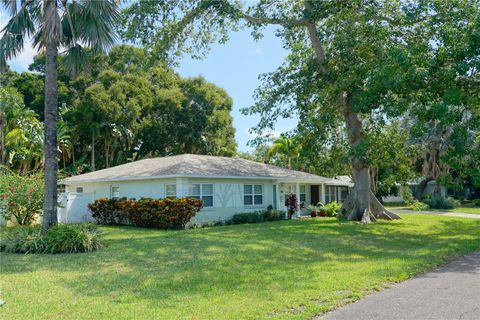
pixel 63 238
pixel 332 208
pixel 416 205
pixel 21 197
pixel 407 195
pixel 439 202
pixel 476 202
pixel 71 238
pixel 248 217
pixel 22 239
pixel 257 216
pixel 168 213
pixel 274 215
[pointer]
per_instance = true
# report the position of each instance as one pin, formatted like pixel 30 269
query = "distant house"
pixel 226 185
pixel 430 189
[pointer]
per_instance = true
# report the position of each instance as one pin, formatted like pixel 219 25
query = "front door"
pixel 314 194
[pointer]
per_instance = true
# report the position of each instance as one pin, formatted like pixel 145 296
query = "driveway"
pixel 449 292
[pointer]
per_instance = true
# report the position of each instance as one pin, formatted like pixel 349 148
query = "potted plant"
pixel 316 210
pixel 313 210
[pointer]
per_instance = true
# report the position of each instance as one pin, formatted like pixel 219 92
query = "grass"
pixel 464 208
pixel 282 270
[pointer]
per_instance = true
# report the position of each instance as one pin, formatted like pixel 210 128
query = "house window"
pixel 330 194
pixel 303 194
pixel 79 189
pixel 115 192
pixel 171 190
pixel 252 194
pixel 203 191
pixel 343 193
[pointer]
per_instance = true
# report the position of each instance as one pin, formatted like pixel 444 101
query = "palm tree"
pixel 285 147
pixel 57 24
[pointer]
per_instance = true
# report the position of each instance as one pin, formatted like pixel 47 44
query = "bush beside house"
pixel 256 216
pixel 168 213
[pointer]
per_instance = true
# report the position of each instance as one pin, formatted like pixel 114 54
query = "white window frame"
pixel 329 195
pixel 166 190
pixel 304 193
pixel 112 193
pixel 253 194
pixel 201 194
pixel 79 189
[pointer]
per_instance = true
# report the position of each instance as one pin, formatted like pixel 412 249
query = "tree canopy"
pixel 125 107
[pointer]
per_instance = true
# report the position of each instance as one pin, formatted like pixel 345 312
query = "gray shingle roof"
pixel 190 165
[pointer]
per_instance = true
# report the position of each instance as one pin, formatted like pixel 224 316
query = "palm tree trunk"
pixel 51 104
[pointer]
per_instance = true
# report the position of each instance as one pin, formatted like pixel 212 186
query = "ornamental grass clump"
pixel 63 238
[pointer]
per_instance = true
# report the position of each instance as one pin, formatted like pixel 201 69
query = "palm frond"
pixel 75 59
pixel 12 41
pixel 97 23
pixel 10 6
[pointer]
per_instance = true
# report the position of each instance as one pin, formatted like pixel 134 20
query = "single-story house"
pixel 226 185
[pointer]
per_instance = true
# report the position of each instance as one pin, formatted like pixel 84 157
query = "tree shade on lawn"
pixel 288 269
pixel 54 23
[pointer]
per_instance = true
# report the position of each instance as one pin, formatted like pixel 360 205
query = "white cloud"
pixel 25 58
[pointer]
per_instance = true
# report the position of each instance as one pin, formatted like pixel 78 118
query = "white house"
pixel 226 185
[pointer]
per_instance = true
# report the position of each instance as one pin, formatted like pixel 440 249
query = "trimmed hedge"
pixel 63 238
pixel 168 213
pixel 257 216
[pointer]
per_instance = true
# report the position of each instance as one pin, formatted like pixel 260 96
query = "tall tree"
pixel 334 48
pixel 54 24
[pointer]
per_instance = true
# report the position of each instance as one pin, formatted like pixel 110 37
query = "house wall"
pixel 228 196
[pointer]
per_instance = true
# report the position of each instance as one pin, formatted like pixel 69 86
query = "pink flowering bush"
pixel 21 197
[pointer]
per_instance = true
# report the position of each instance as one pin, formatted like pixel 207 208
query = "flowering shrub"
pixel 21 197
pixel 169 213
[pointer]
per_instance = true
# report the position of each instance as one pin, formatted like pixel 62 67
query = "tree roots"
pixel 370 214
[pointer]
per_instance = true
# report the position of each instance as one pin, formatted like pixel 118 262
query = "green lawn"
pixel 462 209
pixel 286 269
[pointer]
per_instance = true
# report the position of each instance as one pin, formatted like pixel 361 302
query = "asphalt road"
pixel 449 292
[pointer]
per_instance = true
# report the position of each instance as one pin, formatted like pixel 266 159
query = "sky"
pixel 234 66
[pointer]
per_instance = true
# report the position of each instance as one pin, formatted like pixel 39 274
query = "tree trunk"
pixel 361 204
pixel 92 159
pixel 51 104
